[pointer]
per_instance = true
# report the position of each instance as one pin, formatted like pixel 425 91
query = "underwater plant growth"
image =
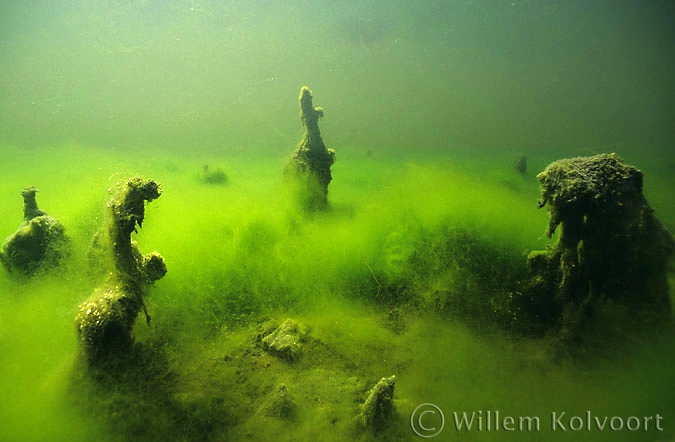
pixel 309 299
pixel 402 276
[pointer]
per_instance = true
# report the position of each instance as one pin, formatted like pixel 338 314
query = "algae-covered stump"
pixel 378 411
pixel 521 164
pixel 40 241
pixel 106 319
pixel 311 161
pixel 611 245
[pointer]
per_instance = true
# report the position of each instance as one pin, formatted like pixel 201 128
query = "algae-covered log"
pixel 611 246
pixel 39 242
pixel 106 319
pixel 311 161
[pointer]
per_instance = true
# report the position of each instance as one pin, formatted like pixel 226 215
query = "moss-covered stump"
pixel 378 410
pixel 106 319
pixel 40 241
pixel 611 246
pixel 521 164
pixel 311 162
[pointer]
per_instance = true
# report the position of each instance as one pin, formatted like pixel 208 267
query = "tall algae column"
pixel 40 241
pixel 611 245
pixel 311 161
pixel 106 319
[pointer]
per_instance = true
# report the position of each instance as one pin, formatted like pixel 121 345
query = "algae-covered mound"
pixel 284 341
pixel 611 245
pixel 280 404
pixel 105 319
pixel 378 410
pixel 39 242
pixel 213 175
pixel 311 161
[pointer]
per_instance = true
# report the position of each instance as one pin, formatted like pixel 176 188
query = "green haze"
pixel 531 75
pixel 413 270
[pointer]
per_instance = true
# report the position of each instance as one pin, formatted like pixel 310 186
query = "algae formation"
pixel 378 410
pixel 40 241
pixel 611 246
pixel 280 404
pixel 415 282
pixel 105 320
pixel 312 160
pixel 520 164
pixel 213 175
pixel 284 341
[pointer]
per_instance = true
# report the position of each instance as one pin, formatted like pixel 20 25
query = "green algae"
pixel 404 276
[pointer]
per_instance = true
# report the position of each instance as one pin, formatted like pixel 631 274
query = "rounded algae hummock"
pixel 106 318
pixel 40 241
pixel 312 160
pixel 213 175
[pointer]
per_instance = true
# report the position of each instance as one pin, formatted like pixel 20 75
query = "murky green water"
pixel 428 106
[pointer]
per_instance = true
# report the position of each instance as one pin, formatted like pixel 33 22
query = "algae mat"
pixel 406 275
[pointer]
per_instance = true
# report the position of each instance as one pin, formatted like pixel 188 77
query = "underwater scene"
pixel 337 221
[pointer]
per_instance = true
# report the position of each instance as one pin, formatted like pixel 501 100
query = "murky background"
pixel 427 104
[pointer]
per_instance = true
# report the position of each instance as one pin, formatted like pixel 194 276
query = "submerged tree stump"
pixel 378 410
pixel 106 319
pixel 311 162
pixel 40 241
pixel 611 246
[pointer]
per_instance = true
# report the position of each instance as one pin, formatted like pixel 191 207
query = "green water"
pixel 428 105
